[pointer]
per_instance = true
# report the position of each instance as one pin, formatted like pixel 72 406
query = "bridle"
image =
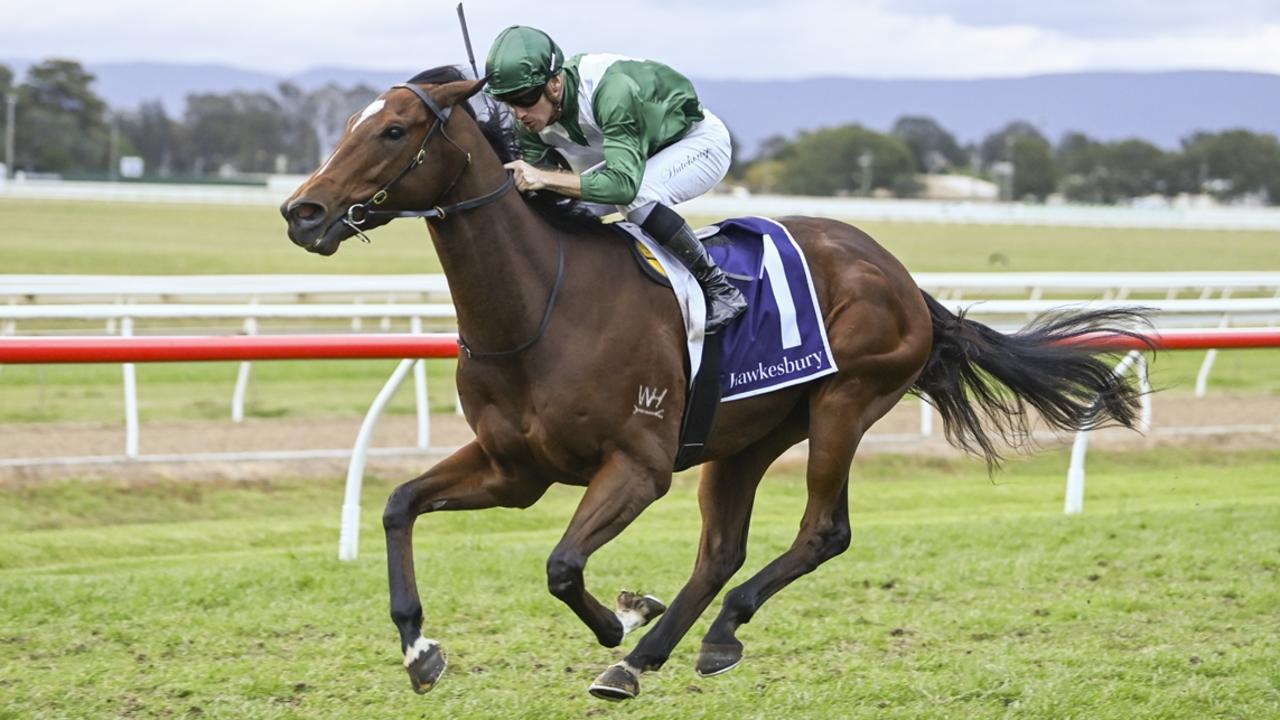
pixel 359 213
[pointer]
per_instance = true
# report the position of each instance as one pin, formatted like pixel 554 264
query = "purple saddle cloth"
pixel 780 340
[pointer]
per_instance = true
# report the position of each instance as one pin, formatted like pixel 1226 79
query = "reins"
pixel 359 214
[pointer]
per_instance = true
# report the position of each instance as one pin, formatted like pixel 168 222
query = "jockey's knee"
pixel 639 214
pixel 661 221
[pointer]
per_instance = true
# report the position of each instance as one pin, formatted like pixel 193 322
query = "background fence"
pixel 277 189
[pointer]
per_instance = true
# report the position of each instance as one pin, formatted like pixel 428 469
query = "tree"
pixel 1076 153
pixel 245 132
pixel 736 166
pixel 325 111
pixel 1230 165
pixel 6 80
pixel 995 147
pixel 763 175
pixel 933 148
pixel 774 147
pixel 6 89
pixel 155 136
pixel 1109 172
pixel 1029 156
pixel 1033 170
pixel 299 136
pixel 1136 167
pixel 831 161
pixel 60 124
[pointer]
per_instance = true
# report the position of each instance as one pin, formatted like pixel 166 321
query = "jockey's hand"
pixel 527 177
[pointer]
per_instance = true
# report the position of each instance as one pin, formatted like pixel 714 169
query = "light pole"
pixel 1003 171
pixel 866 161
pixel 1010 141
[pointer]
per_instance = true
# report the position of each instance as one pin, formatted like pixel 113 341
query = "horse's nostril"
pixel 306 213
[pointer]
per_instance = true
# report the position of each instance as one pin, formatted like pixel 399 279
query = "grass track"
pixel 961 597
pixel 125 238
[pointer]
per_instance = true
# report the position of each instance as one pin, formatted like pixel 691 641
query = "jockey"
pixel 633 135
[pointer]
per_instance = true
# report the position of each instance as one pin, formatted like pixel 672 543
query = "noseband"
pixel 359 213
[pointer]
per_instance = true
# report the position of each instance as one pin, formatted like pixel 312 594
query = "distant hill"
pixel 1160 107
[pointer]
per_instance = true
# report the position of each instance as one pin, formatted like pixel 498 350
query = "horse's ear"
pixel 455 92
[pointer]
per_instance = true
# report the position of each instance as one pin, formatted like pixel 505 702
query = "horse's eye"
pixel 395 132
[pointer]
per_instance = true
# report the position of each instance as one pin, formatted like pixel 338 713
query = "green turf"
pixel 961 597
pixel 120 238
pixel 978 248
pixel 140 239
pixel 196 391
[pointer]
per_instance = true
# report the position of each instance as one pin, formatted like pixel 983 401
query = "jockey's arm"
pixel 622 122
pixel 531 172
pixel 528 177
pixel 617 180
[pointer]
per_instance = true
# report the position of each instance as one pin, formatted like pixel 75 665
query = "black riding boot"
pixel 724 301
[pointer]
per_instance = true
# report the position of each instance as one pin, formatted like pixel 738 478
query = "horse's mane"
pixel 498 127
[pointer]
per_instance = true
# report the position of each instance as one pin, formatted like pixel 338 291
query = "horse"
pixel 559 328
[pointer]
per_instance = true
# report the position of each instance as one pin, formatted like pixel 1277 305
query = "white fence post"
pixel 1206 367
pixel 1074 503
pixel 242 375
pixel 349 538
pixel 420 392
pixel 9 327
pixel 424 407
pixel 1144 387
pixel 130 397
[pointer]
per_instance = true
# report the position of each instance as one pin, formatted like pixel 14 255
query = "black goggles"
pixel 526 98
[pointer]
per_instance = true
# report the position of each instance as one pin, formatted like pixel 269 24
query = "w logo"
pixel 649 401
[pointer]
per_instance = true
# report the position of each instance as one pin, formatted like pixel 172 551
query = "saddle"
pixel 780 341
pixel 652 267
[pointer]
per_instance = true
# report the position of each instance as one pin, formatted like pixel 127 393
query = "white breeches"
pixel 685 169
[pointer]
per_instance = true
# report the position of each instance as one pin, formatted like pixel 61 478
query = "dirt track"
pixel 898 432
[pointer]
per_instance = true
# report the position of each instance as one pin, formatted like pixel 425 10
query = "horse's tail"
pixel 1067 382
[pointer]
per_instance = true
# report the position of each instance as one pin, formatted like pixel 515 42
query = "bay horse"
pixel 560 329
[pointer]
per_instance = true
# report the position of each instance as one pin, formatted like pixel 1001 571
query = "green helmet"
pixel 522 57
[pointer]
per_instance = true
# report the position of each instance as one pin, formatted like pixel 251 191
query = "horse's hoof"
pixel 425 662
pixel 617 683
pixel 635 611
pixel 718 658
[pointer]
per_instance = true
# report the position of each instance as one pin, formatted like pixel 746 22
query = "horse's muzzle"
pixel 311 228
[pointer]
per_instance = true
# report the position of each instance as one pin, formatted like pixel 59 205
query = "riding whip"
pixel 466 38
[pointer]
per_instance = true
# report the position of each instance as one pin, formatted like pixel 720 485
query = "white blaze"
pixel 374 108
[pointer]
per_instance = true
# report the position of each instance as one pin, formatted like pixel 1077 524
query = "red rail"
pixel 1221 338
pixel 189 348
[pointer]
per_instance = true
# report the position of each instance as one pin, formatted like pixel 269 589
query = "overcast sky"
pixel 702 38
